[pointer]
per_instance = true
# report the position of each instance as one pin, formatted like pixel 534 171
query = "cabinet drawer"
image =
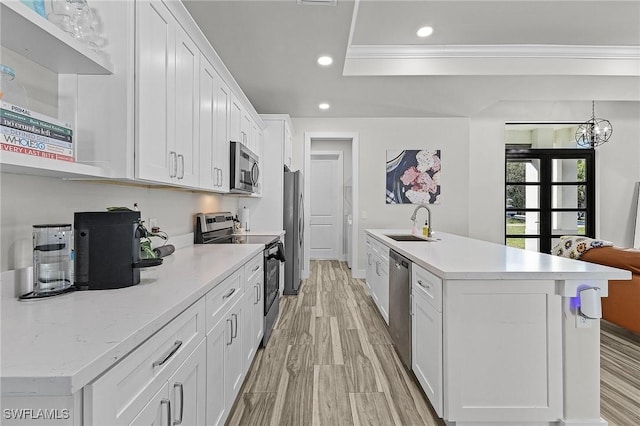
pixel 122 392
pixel 223 296
pixel 380 249
pixel 427 284
pixel 253 269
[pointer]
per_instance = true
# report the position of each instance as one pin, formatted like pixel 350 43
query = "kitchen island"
pixel 497 335
pixel 97 357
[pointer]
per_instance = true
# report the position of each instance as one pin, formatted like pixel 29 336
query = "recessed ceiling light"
pixel 425 32
pixel 324 105
pixel 325 61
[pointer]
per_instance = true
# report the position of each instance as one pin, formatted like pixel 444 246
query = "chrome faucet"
pixel 415 213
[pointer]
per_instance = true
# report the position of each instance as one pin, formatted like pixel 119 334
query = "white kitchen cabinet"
pixel 235 120
pixel 187 93
pixel 187 389
pixel 254 308
pixel 222 117
pixel 157 412
pixel 182 399
pixel 209 175
pixel 167 86
pixel 124 393
pixel 426 343
pixel 225 363
pixel 214 124
pixel 377 275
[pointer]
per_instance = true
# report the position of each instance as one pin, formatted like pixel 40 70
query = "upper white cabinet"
pixel 168 94
pixel 162 109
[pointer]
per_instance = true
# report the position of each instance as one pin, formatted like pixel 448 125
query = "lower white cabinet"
pixel 143 387
pixel 225 366
pixel 254 309
pixel 378 276
pixel 182 399
pixel 426 347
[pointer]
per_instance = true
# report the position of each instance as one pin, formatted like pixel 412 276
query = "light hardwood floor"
pixel 330 362
pixel 619 375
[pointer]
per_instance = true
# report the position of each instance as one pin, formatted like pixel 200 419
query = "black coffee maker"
pixel 107 249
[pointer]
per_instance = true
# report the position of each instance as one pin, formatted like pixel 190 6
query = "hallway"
pixel 341 368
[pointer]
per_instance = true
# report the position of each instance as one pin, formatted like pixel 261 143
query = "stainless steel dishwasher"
pixel 400 305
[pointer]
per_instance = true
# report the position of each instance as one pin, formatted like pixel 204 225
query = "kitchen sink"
pixel 408 237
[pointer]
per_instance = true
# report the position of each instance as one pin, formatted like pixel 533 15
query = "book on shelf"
pixel 35 152
pixel 21 125
pixel 36 142
pixel 26 132
pixel 35 120
pixel 32 137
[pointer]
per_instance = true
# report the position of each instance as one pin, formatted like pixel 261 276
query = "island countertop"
pixel 452 256
pixel 56 346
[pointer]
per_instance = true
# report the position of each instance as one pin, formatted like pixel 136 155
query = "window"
pixel 549 193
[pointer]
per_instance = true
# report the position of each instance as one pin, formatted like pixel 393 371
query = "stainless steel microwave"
pixel 245 169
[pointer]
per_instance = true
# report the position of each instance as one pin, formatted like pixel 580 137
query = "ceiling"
pixel 481 53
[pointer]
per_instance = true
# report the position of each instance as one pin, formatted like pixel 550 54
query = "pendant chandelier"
pixel 593 132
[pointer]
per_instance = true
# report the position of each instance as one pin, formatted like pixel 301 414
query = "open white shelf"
pixel 34 37
pixel 11 162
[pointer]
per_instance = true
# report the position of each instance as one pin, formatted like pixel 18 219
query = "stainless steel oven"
pixel 245 169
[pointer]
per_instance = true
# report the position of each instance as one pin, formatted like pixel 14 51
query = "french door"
pixel 549 193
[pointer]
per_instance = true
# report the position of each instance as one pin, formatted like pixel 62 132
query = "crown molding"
pixel 538 51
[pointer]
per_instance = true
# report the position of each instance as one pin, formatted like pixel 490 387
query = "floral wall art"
pixel 413 176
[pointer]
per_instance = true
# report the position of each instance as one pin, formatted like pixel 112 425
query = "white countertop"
pixel 56 346
pixel 456 257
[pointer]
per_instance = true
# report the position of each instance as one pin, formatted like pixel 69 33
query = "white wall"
pixel 30 200
pixel 617 164
pixel 376 135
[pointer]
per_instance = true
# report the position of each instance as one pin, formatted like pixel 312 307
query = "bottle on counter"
pixel 425 229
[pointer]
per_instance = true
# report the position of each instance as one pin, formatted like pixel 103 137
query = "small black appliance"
pixel 107 249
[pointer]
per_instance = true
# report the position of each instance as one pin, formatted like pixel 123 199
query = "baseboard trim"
pixel 583 422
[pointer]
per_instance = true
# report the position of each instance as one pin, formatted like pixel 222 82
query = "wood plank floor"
pixel 619 375
pixel 330 362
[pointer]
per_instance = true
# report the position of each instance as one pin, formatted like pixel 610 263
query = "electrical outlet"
pixel 582 322
pixel 153 223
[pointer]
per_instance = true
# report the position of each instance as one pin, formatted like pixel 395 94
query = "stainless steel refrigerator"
pixel 294 227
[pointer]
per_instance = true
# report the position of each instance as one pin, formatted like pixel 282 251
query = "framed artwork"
pixel 413 176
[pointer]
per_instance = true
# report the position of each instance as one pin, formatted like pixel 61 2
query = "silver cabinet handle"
pixel 173 164
pixel 369 258
pixel 164 358
pixel 221 177
pixel 230 331
pixel 424 286
pixel 256 268
pixel 233 290
pixel 167 403
pixel 411 304
pixel 257 294
pixel 377 265
pixel 181 388
pixel 235 326
pixel 214 173
pixel 181 157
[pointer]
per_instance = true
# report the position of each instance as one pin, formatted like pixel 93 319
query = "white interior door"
pixel 326 227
